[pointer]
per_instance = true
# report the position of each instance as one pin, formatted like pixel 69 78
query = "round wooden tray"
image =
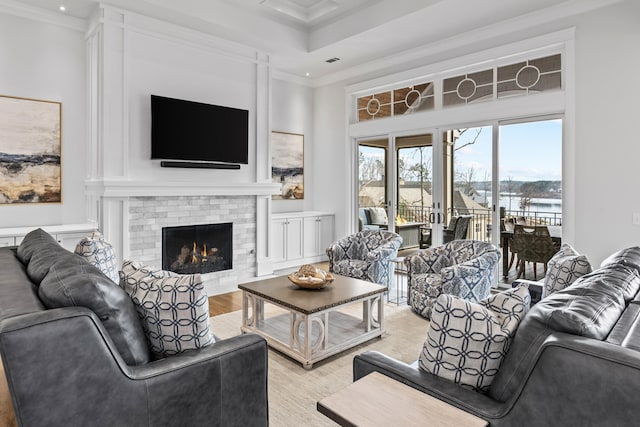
pixel 303 282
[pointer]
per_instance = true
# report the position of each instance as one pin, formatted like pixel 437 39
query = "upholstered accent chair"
pixel 463 268
pixel 365 255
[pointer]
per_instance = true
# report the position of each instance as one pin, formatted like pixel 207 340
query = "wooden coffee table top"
pixel 377 400
pixel 341 291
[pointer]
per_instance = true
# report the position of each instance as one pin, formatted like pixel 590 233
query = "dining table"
pixel 555 231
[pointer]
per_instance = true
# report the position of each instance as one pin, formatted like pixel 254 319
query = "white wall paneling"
pixel 133 57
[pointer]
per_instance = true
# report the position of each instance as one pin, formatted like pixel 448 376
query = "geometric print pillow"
pixel 564 268
pixel 467 342
pixel 174 308
pixel 139 270
pixel 99 253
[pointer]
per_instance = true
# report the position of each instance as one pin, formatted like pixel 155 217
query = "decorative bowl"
pixel 309 282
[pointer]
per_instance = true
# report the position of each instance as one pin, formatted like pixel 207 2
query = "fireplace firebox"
pixel 197 248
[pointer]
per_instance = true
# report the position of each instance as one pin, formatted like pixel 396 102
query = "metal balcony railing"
pixel 481 221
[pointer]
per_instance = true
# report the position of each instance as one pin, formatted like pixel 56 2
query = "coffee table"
pixel 310 325
pixel 377 400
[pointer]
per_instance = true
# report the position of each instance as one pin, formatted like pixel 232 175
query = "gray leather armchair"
pixel 69 366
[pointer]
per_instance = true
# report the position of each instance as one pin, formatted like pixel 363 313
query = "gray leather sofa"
pixel 575 359
pixel 90 365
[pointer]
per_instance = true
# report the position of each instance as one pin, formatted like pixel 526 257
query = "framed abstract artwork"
pixel 287 165
pixel 30 147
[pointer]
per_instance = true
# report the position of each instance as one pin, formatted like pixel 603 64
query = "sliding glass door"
pixel 530 171
pixel 467 167
pixel 395 185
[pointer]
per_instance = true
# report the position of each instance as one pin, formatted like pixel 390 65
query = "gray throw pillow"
pixel 564 268
pixel 75 282
pixel 39 251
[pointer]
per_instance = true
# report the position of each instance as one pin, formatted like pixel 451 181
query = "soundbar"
pixel 198 165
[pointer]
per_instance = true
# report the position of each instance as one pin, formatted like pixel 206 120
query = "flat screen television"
pixel 194 131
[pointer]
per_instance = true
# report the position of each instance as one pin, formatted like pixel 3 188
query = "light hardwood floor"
pixel 225 303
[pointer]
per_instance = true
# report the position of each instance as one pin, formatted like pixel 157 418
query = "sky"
pixel 528 152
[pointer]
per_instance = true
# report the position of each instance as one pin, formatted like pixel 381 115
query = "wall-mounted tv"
pixel 194 131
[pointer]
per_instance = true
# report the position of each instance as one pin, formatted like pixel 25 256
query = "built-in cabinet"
pixel 67 235
pixel 300 238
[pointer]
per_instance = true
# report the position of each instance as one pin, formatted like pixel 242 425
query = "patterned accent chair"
pixel 365 255
pixel 463 268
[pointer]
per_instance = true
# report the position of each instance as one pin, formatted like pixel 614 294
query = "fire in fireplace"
pixel 197 248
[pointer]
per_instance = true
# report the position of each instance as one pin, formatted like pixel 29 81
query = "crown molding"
pixel 17 8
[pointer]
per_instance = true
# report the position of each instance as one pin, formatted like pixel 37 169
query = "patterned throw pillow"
pixel 174 308
pixel 99 253
pixel 564 268
pixel 466 342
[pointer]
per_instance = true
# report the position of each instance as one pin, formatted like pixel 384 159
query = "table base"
pixel 309 338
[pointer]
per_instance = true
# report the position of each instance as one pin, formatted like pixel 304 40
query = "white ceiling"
pixel 301 35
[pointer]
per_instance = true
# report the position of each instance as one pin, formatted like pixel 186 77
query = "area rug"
pixel 294 391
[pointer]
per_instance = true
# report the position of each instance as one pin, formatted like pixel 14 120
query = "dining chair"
pixel 532 244
pixel 459 230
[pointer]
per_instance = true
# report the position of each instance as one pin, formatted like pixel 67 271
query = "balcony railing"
pixel 481 221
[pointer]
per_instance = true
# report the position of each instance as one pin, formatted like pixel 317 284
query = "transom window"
pixel 521 78
pixel 404 100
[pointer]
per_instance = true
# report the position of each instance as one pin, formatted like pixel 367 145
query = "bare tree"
pixel 525 200
pixel 473 141
pixel 465 179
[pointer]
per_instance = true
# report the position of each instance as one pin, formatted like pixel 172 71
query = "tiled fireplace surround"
pixel 148 215
pixel 131 215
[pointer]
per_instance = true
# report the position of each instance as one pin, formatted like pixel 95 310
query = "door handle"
pixel 432 217
pixel 439 222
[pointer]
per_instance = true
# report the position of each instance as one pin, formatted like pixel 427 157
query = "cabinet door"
pixel 70 240
pixel 294 238
pixel 7 241
pixel 311 236
pixel 325 233
pixel 279 240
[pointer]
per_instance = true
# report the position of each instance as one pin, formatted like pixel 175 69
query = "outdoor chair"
pixel 456 230
pixel 463 268
pixel 532 244
pixel 365 255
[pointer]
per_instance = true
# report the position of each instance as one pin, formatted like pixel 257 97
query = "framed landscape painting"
pixel 287 165
pixel 30 146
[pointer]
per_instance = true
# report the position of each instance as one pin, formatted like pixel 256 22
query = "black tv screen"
pixel 194 131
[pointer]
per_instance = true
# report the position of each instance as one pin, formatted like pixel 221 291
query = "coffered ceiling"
pixel 301 35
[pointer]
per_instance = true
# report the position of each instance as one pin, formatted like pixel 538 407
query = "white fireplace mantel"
pixel 127 188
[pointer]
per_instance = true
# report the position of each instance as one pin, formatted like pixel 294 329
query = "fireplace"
pixel 197 248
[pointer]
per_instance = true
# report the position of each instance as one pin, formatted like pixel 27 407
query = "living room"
pixel 103 68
